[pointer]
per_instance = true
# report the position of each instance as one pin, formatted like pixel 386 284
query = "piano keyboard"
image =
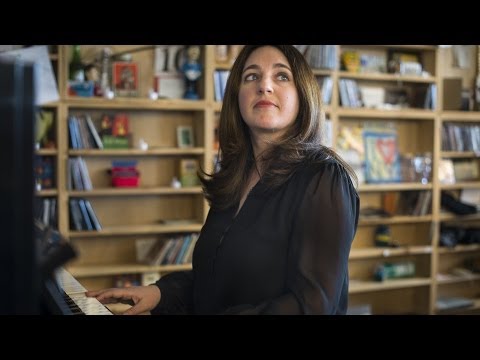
pixel 75 298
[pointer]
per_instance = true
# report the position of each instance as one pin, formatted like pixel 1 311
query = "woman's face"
pixel 268 98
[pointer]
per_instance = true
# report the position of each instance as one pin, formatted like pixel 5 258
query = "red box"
pixel 125 177
pixel 125 182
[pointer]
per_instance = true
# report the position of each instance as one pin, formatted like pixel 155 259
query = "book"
pixel 188 172
pixel 93 216
pixel 143 247
pixel 446 174
pixel 76 216
pixel 94 132
pixel 471 197
pixel 120 125
pixel 447 303
pixel 85 216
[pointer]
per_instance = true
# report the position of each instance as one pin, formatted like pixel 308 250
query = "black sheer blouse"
pixel 286 252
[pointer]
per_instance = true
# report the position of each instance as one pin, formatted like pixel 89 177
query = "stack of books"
pixel 125 173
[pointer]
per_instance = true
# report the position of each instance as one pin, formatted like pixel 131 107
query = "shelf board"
pixel 460 116
pixel 357 286
pixel 387 77
pixel 222 66
pixel 119 269
pixel 46 152
pixel 135 103
pixel 137 152
pixel 459 154
pixel 161 190
pixel 414 47
pixel 322 72
pixel 454 218
pixel 459 249
pixel 461 185
pixel 217 106
pixel 408 219
pixel 403 114
pixel 388 252
pixel 119 230
pixel 475 306
pixel 454 279
pixel 400 47
pixel 51 105
pixel 393 187
pixel 45 193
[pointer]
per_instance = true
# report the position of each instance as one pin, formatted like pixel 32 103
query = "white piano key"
pixel 89 305
pixel 67 282
pixel 76 292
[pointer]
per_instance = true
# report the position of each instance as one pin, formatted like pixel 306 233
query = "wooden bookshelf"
pixel 130 214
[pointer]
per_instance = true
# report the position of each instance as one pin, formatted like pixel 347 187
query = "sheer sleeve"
pixel 323 230
pixel 177 294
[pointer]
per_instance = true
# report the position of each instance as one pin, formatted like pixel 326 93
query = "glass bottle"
pixel 75 68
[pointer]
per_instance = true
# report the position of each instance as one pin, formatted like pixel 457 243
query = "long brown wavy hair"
pixel 301 142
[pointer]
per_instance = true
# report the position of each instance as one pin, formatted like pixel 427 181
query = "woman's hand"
pixel 143 298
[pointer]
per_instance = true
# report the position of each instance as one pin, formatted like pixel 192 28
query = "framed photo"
pixel 125 78
pixel 170 85
pixel 185 136
pixel 382 163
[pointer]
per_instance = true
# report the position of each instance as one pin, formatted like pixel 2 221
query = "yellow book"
pixel 188 172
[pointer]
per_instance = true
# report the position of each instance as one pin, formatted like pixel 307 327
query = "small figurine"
pixel 192 71
pixel 152 94
pixel 142 144
pixel 92 74
pixel 176 184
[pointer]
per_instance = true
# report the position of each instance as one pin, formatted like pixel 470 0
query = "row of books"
pixel 431 97
pixel 411 203
pixel 45 210
pixel 220 78
pixel 353 95
pixel 461 137
pixel 175 250
pixel 350 93
pixel 83 134
pixel 450 171
pixel 78 176
pixel 82 216
pixel 415 203
pixel 326 87
pixel 319 56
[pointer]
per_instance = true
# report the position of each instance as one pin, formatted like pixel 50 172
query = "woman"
pixel 283 210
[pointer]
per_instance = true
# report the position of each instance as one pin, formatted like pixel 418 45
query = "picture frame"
pixel 125 78
pixel 185 137
pixel 170 85
pixel 382 162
